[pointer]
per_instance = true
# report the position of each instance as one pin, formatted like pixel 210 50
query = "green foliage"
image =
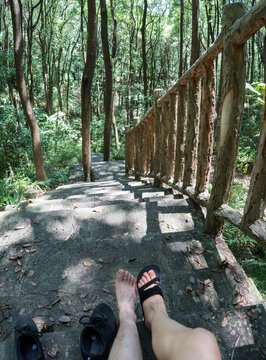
pixel 61 145
pixel 250 254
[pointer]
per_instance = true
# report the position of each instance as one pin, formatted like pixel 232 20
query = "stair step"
pixel 228 326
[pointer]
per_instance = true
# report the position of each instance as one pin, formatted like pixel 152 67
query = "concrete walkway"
pixel 59 255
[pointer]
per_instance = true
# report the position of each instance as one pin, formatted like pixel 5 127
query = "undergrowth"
pixel 249 253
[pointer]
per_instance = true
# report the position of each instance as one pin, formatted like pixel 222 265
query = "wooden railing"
pixel 174 147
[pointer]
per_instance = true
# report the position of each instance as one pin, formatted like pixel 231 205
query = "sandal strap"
pixel 155 281
pixel 155 290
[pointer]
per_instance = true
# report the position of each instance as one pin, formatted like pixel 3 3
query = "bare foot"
pixel 125 289
pixel 153 303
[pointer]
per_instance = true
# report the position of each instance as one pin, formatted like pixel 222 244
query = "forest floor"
pixel 59 254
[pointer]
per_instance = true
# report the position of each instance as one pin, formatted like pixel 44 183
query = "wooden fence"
pixel 173 146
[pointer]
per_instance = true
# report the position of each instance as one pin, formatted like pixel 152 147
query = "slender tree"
pixel 21 84
pixel 181 41
pixel 144 55
pixel 108 94
pixel 86 86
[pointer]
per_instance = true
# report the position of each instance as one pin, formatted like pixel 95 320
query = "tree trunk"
pixel 108 83
pixel 144 57
pixel 86 111
pixel 114 49
pixel 6 47
pixel 181 38
pixel 21 83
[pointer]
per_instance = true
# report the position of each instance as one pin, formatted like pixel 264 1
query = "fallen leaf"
pixel 198 260
pixel 137 227
pixel 83 295
pixel 93 218
pixel 237 299
pixel 33 283
pixel 237 279
pixel 223 264
pixel 115 236
pixel 240 314
pixel 126 234
pixel 168 237
pixel 55 229
pixel 2 285
pixel 188 288
pixel 199 250
pixel 4 307
pixel 253 314
pixel 224 323
pixel 100 260
pixel 87 263
pixel 27 245
pixel 106 291
pixel 16 257
pixel 37 222
pixel 29 251
pixel 19 262
pixel 19 227
pixel 97 210
pixel 53 351
pixel 208 282
pixel 75 206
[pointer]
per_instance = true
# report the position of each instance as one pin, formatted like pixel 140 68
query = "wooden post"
pixel 157 138
pixel 180 133
pixel 230 123
pixel 172 136
pixel 152 145
pixel 164 138
pixel 255 203
pixel 127 148
pixel 192 135
pixel 136 148
pixel 206 133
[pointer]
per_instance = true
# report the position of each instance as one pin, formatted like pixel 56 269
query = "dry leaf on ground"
pixel 224 322
pixel 87 263
pixel 53 351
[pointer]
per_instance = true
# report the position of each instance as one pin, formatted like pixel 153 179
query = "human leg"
pixel 126 345
pixel 171 340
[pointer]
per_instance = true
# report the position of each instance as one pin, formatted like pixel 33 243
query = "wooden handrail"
pixel 174 149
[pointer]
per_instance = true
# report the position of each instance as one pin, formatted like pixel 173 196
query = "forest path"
pixel 60 253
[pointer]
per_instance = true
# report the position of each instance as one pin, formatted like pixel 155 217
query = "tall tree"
pixel 144 55
pixel 21 84
pixel 181 41
pixel 86 108
pixel 108 93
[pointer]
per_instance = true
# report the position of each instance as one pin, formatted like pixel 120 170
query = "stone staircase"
pixel 59 255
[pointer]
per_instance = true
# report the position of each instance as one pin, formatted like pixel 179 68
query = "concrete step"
pixel 135 218
pixel 235 331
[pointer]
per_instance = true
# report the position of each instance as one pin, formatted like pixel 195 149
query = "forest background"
pixel 148 43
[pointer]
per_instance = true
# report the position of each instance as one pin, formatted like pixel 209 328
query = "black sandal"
pixel 145 293
pixel 98 334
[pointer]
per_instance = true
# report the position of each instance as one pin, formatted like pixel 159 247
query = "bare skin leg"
pixel 126 345
pixel 171 340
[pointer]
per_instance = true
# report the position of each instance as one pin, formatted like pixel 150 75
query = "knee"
pixel 202 336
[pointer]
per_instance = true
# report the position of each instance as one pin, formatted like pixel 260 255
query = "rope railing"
pixel 174 141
